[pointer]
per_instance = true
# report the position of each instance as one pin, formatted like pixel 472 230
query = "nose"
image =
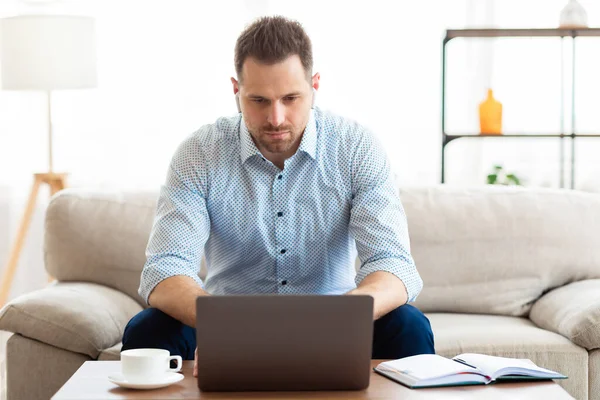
pixel 276 115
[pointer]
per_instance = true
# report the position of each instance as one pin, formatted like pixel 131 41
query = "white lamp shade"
pixel 47 52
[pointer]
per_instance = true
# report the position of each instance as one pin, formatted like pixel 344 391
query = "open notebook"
pixel 431 370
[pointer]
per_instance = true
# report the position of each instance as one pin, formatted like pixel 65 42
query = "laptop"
pixel 284 342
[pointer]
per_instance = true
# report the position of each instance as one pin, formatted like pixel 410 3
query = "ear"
pixel 315 85
pixel 236 85
pixel 236 92
pixel 315 81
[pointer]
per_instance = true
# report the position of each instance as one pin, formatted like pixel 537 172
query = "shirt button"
pixel 280 214
pixel 282 251
pixel 284 282
pixel 280 177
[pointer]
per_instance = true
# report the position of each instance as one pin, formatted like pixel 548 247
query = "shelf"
pixel 449 138
pixel 540 32
pixel 524 33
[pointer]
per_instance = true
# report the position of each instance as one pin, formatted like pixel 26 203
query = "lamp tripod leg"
pixel 9 270
pixel 56 185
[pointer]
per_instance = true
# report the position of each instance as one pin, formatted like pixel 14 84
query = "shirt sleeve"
pixel 181 225
pixel 377 219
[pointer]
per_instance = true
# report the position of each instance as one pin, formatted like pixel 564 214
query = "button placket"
pixel 279 226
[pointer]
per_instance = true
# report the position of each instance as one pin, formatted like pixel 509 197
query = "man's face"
pixel 275 101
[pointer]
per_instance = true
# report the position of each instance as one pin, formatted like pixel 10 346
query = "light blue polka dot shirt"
pixel 290 231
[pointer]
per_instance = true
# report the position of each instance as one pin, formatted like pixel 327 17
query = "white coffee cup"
pixel 147 364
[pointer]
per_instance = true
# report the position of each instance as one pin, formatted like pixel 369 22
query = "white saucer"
pixel 168 379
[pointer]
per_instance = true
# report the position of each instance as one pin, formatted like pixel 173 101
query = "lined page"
pixel 490 365
pixel 428 366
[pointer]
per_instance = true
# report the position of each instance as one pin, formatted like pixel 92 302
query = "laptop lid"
pixel 284 342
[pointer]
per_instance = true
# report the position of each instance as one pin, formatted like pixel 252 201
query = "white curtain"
pixel 164 69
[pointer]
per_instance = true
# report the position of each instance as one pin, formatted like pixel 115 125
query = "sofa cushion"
pixel 80 317
pixel 100 236
pixel 512 337
pixel 112 353
pixel 495 250
pixel 572 311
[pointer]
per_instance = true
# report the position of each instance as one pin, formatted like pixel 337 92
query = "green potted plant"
pixel 498 176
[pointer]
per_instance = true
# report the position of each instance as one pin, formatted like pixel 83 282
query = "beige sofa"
pixel 507 271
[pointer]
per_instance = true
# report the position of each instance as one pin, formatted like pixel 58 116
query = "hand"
pixel 196 363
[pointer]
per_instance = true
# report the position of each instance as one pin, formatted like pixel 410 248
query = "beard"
pixel 266 138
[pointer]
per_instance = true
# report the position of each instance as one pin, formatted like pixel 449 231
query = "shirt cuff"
pixel 152 275
pixel 407 273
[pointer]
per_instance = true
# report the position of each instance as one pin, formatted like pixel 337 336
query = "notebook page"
pixel 427 366
pixel 490 365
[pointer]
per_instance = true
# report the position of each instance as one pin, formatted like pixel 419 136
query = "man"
pixel 277 197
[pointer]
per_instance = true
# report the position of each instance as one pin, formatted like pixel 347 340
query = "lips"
pixel 277 135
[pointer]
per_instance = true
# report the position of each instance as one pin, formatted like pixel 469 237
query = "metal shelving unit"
pixel 506 33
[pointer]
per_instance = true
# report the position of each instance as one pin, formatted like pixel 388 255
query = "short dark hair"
pixel 271 40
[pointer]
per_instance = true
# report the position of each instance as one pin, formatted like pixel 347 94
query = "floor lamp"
pixel 44 53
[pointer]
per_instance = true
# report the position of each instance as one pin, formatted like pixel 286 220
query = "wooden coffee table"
pixel 91 382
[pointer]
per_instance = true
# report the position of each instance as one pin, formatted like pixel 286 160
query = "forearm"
pixel 176 296
pixel 387 290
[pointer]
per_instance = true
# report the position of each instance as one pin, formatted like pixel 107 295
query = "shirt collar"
pixel 247 146
pixel 308 144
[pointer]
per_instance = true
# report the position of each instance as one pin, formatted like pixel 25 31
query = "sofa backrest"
pixel 497 249
pixel 99 236
pixel 491 250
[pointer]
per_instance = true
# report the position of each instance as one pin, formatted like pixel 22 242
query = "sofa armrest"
pixel 84 318
pixel 572 311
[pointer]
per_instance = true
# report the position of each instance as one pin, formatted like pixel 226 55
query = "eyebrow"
pixel 287 95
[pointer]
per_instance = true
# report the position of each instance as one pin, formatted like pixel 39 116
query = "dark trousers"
pixel 403 332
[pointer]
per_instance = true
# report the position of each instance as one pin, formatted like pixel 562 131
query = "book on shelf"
pixel 432 370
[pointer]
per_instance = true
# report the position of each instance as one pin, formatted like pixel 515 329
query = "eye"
pixel 258 100
pixel 290 98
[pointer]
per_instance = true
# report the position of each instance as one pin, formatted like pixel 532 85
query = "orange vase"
pixel 490 115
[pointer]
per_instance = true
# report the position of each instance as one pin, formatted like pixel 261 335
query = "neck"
pixel 279 158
